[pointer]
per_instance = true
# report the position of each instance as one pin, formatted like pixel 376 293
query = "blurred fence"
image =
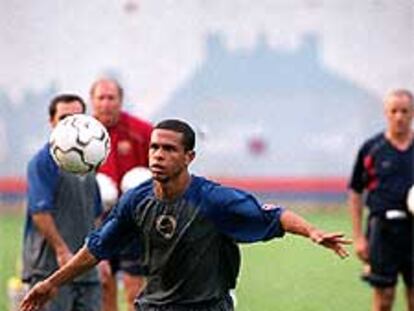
pixel 12 190
pixel 315 189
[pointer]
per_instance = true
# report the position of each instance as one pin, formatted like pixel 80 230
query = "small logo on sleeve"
pixel 269 207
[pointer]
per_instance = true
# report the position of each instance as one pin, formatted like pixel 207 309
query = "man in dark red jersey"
pixel 129 148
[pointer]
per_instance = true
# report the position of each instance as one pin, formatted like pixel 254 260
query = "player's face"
pixel 65 109
pixel 399 113
pixel 106 102
pixel 167 156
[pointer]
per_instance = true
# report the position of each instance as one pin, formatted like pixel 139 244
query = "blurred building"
pixel 268 112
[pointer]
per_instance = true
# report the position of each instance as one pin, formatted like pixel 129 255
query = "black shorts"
pixel 222 304
pixel 125 265
pixel 390 251
pixel 126 261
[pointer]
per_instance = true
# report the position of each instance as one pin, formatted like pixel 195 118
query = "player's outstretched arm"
pixel 43 291
pixel 335 241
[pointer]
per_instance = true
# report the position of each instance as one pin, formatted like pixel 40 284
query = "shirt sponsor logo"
pixel 81 178
pixel 386 164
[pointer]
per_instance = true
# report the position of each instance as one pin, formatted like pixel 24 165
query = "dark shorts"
pixel 125 265
pixel 75 296
pixel 223 304
pixel 390 251
pixel 128 260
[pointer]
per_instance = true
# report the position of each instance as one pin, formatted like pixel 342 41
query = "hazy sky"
pixel 156 44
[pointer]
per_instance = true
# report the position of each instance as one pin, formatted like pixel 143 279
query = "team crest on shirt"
pixel 124 147
pixel 166 225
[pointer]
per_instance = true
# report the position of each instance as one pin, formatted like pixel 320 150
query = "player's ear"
pixel 190 155
pixel 52 122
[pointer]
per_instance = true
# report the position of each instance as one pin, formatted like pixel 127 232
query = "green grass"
pixel 289 274
pixel 293 274
pixel 10 250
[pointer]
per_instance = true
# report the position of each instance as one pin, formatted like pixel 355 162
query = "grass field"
pixel 289 274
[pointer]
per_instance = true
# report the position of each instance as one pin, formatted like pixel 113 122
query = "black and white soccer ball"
pixel 79 144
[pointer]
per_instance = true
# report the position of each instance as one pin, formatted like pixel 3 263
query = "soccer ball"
pixel 134 177
pixel 79 144
pixel 410 200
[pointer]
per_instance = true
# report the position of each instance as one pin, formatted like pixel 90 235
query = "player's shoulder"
pixel 42 167
pixel 135 122
pixel 138 193
pixel 216 201
pixel 374 142
pixel 377 137
pixel 42 158
pixel 202 184
pixel 215 192
pixel 42 153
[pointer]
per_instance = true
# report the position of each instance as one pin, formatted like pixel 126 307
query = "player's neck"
pixel 109 122
pixel 172 189
pixel 400 140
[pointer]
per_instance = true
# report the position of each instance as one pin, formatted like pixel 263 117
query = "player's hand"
pixel 63 255
pixel 361 248
pixel 38 296
pixel 332 240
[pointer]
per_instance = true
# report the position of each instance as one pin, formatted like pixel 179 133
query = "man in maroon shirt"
pixel 129 148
